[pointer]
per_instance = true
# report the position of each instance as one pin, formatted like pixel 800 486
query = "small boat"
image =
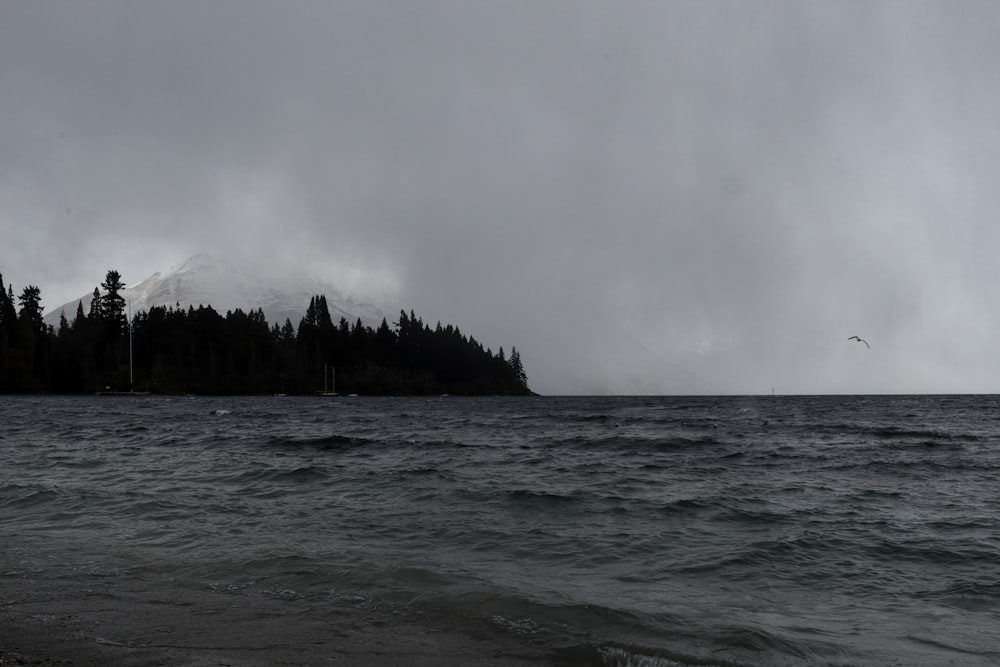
pixel 331 390
pixel 108 391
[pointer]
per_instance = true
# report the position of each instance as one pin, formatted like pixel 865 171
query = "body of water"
pixel 566 531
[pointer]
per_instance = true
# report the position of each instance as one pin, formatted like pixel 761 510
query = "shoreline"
pixel 68 639
pixel 58 607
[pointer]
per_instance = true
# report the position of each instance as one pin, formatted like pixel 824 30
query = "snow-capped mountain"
pixel 227 285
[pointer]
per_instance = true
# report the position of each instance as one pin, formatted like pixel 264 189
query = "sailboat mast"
pixel 131 381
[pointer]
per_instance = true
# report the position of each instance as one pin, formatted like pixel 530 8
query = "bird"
pixel 860 340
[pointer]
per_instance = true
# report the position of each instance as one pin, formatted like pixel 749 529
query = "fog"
pixel 642 197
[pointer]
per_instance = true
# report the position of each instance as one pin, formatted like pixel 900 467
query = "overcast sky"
pixel 642 197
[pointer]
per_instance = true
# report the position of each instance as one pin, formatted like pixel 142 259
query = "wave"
pixel 931 435
pixel 930 550
pixel 252 479
pixel 585 634
pixel 341 443
pixel 727 646
pixel 612 655
pixel 860 432
pixel 333 442
pixel 546 498
pixel 684 507
pixel 813 556
pixel 639 444
pixel 21 497
pixel 949 647
pixel 652 532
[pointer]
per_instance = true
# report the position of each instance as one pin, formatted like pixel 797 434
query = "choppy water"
pixel 593 531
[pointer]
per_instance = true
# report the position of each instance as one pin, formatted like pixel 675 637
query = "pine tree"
pixel 8 315
pixel 113 304
pixel 517 368
pixel 95 306
pixel 31 309
pixel 323 313
pixel 201 351
pixel 310 319
pixel 78 321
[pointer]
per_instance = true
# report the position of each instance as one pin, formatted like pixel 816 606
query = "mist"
pixel 642 197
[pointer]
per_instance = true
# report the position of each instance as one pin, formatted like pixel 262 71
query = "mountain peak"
pixel 227 284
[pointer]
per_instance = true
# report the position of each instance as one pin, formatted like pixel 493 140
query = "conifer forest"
pixel 175 350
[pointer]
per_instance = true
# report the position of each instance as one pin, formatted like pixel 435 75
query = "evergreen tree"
pixel 287 331
pixel 385 343
pixel 310 319
pixel 31 309
pixel 8 314
pixel 8 320
pixel 517 368
pixel 79 319
pixel 323 320
pixel 113 305
pixel 31 354
pixel 198 350
pixel 95 306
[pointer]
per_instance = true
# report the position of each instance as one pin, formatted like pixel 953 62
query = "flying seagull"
pixel 860 340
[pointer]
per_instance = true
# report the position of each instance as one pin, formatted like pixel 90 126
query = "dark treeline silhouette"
pixel 198 350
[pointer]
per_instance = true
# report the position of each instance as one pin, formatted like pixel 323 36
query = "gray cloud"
pixel 641 196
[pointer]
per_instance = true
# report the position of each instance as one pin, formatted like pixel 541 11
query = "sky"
pixel 642 197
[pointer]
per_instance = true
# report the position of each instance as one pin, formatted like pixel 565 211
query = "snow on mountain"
pixel 207 280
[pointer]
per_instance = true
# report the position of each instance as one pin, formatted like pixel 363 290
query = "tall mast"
pixel 130 379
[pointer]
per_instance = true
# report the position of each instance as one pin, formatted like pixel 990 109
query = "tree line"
pixel 173 350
